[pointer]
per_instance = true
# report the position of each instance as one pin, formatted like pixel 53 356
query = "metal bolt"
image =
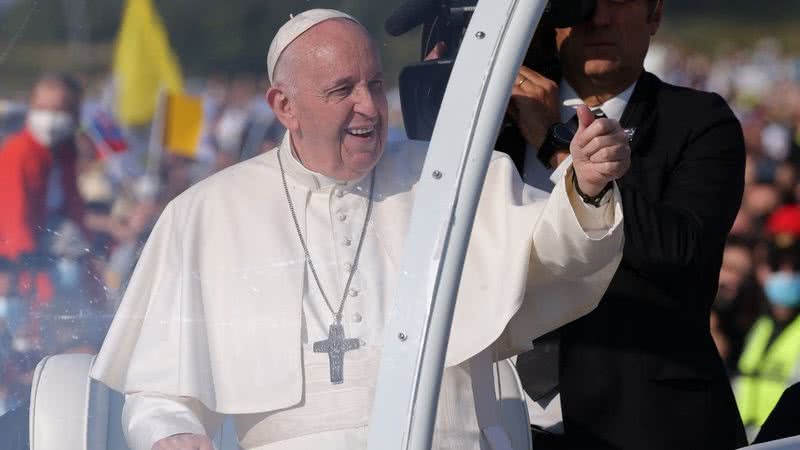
pixel 402 337
pixel 437 175
pixel 480 35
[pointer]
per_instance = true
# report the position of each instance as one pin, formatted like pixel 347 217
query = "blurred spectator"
pixel 132 216
pixel 760 200
pixel 738 299
pixel 243 123
pixel 743 226
pixel 38 185
pixel 12 118
pixel 770 361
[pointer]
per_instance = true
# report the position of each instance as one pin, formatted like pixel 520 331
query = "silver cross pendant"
pixel 335 346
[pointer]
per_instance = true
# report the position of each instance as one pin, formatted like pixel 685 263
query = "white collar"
pixel 310 179
pixel 612 108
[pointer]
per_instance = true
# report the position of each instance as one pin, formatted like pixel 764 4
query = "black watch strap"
pixel 546 151
pixel 558 137
pixel 591 200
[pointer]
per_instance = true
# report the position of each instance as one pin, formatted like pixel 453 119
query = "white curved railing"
pixel 418 328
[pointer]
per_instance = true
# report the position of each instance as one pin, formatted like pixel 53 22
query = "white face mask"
pixel 50 127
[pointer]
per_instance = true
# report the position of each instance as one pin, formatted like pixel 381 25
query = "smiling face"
pixel 329 94
pixel 606 53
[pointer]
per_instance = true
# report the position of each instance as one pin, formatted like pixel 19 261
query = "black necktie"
pixel 538 368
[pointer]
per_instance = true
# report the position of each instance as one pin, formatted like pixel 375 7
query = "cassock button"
pixel 348 267
pixel 353 292
pixel 346 242
pixel 341 216
pixel 340 193
pixel 357 317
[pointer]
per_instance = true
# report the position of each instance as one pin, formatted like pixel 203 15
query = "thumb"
pixel 585 117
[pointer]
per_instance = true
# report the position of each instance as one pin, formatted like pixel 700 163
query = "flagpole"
pixel 418 329
pixel 155 147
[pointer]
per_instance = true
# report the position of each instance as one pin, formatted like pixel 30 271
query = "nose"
pixel 366 101
pixel 602 14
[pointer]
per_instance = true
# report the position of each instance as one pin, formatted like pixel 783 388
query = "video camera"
pixel 422 84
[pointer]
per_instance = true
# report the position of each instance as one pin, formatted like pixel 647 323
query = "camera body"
pixel 422 84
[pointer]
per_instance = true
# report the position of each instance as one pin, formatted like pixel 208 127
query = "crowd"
pixel 76 216
pixel 754 318
pixel 59 291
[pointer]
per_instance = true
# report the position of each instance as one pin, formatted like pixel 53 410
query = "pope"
pixel 263 290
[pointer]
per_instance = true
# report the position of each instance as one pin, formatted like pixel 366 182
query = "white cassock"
pixel 222 312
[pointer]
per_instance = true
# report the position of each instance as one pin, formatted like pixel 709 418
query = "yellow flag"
pixel 143 63
pixel 184 123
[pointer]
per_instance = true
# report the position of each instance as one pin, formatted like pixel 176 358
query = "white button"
pixel 346 242
pixel 357 317
pixel 353 292
pixel 340 193
pixel 348 267
pixel 341 216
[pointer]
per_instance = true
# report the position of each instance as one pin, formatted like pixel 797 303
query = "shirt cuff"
pixel 595 221
pixel 562 168
pixel 148 418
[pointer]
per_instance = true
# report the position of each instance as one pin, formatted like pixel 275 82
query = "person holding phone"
pixel 641 371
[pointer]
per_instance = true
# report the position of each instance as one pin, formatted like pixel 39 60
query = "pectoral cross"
pixel 335 346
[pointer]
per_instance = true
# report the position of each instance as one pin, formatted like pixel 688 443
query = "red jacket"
pixel 25 166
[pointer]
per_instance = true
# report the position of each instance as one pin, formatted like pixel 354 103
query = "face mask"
pixel 50 127
pixel 783 289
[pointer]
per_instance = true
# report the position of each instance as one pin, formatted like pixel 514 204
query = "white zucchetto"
pixel 296 26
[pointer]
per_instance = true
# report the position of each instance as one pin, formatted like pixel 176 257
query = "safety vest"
pixel 765 372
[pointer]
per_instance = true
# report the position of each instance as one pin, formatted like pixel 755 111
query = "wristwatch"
pixel 559 136
pixel 593 200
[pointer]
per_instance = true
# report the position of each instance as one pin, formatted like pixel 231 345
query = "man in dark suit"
pixel 641 371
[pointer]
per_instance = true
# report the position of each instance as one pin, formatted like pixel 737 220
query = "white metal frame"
pixel 417 332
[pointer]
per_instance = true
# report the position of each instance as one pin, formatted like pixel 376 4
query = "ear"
pixel 282 107
pixel 654 19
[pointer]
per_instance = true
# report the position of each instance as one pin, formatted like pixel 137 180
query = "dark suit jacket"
pixel 642 371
